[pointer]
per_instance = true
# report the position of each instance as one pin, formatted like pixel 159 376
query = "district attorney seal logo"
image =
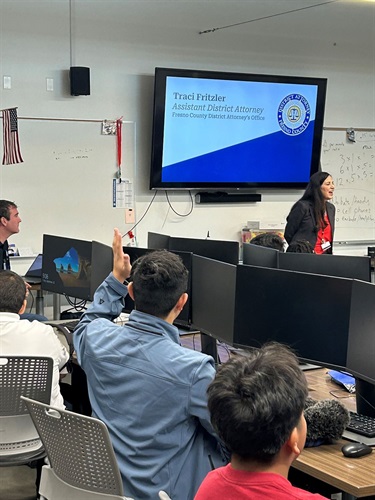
pixel 293 114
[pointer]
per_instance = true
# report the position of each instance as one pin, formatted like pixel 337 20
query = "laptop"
pixel 34 273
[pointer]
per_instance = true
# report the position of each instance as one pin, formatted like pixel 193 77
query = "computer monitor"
pixel 361 346
pixel 101 265
pixel 310 313
pixel 213 297
pixel 34 273
pixel 255 255
pixel 67 266
pixel 329 321
pixel 184 318
pixel 223 250
pixel 342 266
pixel 158 241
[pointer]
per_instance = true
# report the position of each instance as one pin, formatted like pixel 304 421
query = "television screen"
pixel 233 130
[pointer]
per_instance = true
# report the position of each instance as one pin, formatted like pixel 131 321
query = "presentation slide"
pixel 237 131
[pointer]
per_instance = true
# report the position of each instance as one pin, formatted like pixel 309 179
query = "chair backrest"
pixel 28 376
pixel 23 376
pixel 78 448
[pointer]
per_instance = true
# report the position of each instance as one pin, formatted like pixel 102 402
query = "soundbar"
pixel 222 197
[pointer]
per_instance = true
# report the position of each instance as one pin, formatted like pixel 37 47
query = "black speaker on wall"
pixel 79 80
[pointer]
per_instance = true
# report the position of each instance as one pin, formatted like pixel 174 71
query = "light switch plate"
pixel 7 82
pixel 129 216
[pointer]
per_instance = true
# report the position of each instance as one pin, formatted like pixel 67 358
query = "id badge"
pixel 326 245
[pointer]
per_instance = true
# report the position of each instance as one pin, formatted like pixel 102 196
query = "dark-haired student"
pixel 20 337
pixel 148 389
pixel 312 217
pixel 300 246
pixel 269 240
pixel 256 404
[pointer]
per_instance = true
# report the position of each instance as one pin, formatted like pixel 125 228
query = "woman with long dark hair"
pixel 312 217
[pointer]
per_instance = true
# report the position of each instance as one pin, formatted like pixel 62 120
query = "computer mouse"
pixel 356 450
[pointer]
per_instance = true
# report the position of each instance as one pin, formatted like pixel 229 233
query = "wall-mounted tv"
pixel 219 130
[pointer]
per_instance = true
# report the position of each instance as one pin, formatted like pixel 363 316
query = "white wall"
pixel 35 45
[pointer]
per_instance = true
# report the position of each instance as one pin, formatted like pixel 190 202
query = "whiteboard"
pixel 64 186
pixel 352 166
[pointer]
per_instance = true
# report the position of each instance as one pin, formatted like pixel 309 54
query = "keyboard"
pixel 361 424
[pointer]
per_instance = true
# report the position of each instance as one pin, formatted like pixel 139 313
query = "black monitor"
pixel 158 241
pixel 213 297
pixel 102 264
pixel 329 321
pixel 309 312
pixel 67 266
pixel 342 266
pixel 361 347
pixel 184 318
pixel 223 250
pixel 255 255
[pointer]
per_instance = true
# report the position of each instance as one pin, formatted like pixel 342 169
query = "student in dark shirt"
pixel 10 224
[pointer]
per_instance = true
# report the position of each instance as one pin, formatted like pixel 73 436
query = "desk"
pixel 355 476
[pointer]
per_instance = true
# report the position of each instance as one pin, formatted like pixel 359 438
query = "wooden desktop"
pixel 355 476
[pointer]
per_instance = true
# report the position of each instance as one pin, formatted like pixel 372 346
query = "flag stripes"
pixel 11 145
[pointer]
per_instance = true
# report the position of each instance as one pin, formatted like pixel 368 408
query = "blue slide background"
pixel 250 161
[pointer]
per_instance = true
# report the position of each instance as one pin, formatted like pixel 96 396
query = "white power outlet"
pixel 49 84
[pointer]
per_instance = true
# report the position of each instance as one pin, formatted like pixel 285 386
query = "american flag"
pixel 12 151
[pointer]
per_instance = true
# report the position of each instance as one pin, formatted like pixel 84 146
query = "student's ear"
pixel 23 307
pixel 294 441
pixel 182 301
pixel 130 290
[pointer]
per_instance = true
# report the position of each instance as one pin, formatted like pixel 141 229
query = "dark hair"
pixel 313 194
pixel 12 292
pixel 270 240
pixel 159 279
pixel 5 207
pixel 300 246
pixel 256 400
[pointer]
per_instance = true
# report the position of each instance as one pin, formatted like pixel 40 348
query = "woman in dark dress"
pixel 312 217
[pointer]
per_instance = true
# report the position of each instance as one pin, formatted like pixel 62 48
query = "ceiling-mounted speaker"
pixel 79 80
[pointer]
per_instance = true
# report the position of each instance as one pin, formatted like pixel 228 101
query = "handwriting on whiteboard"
pixel 72 154
pixel 353 167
